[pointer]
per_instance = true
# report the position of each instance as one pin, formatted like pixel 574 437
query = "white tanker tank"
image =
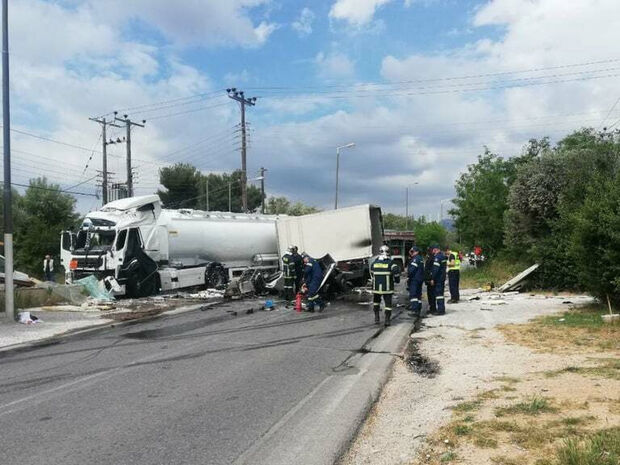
pixel 236 240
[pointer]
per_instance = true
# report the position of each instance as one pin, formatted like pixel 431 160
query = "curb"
pixel 320 428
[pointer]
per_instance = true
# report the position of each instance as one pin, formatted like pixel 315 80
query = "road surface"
pixel 218 386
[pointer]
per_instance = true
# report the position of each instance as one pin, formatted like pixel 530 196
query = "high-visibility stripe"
pixel 313 298
pixel 414 300
pixel 387 308
pixel 440 297
pixel 376 304
pixel 436 264
pixel 383 292
pixel 382 273
pixel 380 265
pixel 414 264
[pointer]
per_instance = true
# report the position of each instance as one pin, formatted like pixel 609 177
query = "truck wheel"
pixel 215 276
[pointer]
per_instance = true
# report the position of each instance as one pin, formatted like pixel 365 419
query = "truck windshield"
pixel 95 239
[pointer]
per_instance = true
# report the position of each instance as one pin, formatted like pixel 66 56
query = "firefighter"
pixel 415 273
pixel 313 276
pixel 430 289
pixel 384 273
pixel 438 279
pixel 289 272
pixel 454 275
pixel 299 269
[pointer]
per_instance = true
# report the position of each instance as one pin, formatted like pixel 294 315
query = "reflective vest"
pixel 457 262
pixel 382 271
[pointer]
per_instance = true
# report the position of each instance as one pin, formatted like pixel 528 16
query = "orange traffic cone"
pixel 298 307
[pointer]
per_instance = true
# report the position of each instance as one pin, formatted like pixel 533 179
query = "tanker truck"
pixel 140 249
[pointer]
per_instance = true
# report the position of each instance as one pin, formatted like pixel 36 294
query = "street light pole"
pixel 348 146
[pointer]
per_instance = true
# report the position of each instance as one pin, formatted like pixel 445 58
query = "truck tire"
pixel 215 276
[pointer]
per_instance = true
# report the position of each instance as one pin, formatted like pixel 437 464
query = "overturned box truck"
pixel 141 249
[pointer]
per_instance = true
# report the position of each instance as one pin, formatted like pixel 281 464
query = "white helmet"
pixel 384 250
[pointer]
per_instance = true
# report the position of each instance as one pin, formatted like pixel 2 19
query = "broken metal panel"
pixel 518 281
pixel 346 234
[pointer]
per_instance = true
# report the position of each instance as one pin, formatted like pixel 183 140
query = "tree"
pixel 186 187
pixel 426 232
pixel 481 200
pixel 182 182
pixel 595 240
pixel 282 206
pixel 42 214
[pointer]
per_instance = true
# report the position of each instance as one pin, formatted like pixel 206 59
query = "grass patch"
pixel 576 330
pixel 507 379
pixel 610 368
pixel 494 271
pixel 501 460
pixel 532 406
pixel 602 448
pixel 446 457
pixel 467 406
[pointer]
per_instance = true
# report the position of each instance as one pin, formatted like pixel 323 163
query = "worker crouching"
pixel 384 273
pixel 313 277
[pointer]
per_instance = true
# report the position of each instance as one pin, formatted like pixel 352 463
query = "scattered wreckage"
pixel 135 248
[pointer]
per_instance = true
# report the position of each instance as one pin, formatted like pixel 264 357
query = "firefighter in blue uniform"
pixel 289 271
pixel 384 273
pixel 415 278
pixel 438 279
pixel 299 269
pixel 428 276
pixel 313 277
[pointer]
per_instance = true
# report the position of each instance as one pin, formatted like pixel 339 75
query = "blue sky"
pixel 421 86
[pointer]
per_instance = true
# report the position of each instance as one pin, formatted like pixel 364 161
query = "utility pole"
pixel 262 189
pixel 229 196
pixel 104 136
pixel 407 208
pixel 239 96
pixel 6 133
pixel 129 124
pixel 207 191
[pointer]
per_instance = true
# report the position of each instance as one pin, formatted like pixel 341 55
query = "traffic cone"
pixel 298 307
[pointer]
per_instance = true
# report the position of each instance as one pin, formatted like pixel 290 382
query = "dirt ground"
pixel 498 397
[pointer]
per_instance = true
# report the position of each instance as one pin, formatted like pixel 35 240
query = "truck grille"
pixel 89 262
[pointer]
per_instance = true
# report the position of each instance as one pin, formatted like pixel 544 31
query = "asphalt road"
pixel 202 387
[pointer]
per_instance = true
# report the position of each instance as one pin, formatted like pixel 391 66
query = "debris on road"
pixel 27 319
pixel 518 281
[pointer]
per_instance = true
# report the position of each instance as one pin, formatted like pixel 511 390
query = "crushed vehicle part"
pixel 518 281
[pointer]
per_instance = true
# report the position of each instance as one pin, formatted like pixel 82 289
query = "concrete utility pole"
pixel 129 124
pixel 407 205
pixel 9 301
pixel 262 189
pixel 207 191
pixel 104 136
pixel 229 196
pixel 239 96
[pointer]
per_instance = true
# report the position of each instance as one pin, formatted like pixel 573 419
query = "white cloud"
pixel 303 25
pixel 356 12
pixel 334 65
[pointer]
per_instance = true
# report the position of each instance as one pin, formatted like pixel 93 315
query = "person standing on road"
pixel 384 273
pixel 48 268
pixel 288 270
pixel 299 268
pixel 313 277
pixel 438 279
pixel 454 275
pixel 430 289
pixel 415 275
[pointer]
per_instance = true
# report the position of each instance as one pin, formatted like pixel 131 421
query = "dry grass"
pixel 577 331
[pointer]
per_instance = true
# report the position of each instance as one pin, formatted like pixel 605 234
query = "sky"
pixel 420 86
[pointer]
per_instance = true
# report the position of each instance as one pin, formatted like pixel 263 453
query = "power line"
pixel 29 186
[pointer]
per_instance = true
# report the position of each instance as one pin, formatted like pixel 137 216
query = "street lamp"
pixel 348 146
pixel 407 204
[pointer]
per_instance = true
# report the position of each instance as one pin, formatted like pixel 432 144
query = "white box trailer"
pixel 349 235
